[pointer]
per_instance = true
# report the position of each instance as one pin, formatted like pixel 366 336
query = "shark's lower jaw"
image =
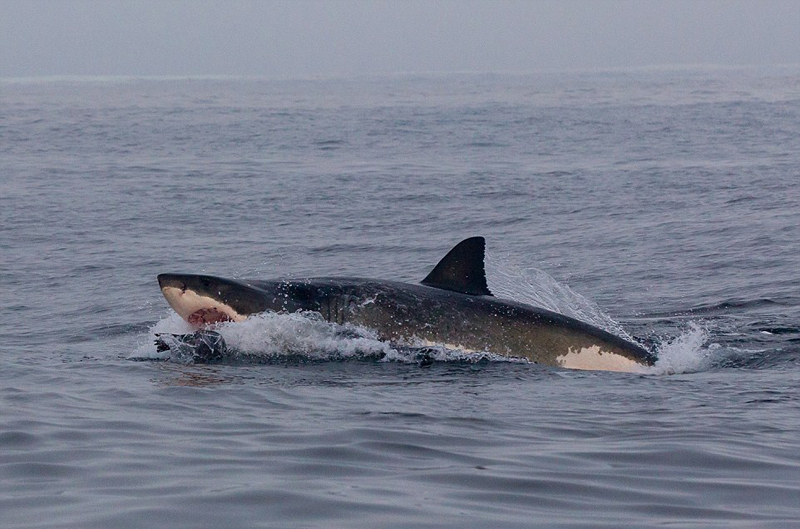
pixel 199 310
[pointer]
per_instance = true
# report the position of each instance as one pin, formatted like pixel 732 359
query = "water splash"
pixel 508 279
pixel 172 324
pixel 305 334
pixel 685 353
pixel 271 335
pixel 277 337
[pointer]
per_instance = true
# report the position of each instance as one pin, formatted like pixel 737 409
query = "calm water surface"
pixel 662 204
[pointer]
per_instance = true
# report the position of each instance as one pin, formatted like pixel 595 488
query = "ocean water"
pixel 658 204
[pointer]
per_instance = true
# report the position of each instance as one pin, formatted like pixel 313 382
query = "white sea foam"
pixel 307 334
pixel 172 324
pixel 685 353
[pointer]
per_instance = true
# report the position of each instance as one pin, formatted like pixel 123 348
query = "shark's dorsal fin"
pixel 461 270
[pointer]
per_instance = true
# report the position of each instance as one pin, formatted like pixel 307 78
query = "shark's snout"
pixel 172 281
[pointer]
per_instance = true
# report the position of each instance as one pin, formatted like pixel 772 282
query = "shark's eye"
pixel 205 281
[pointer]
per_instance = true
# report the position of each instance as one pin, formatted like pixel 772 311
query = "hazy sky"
pixel 303 38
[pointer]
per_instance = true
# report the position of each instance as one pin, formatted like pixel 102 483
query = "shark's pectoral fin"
pixel 462 269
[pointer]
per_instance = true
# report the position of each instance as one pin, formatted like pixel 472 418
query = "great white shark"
pixel 452 307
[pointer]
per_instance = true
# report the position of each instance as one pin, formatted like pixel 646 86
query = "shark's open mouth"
pixel 198 310
pixel 207 316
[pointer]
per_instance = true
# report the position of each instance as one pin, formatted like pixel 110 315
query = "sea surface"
pixel 662 205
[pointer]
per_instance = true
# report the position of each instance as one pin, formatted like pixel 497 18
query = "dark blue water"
pixel 661 204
